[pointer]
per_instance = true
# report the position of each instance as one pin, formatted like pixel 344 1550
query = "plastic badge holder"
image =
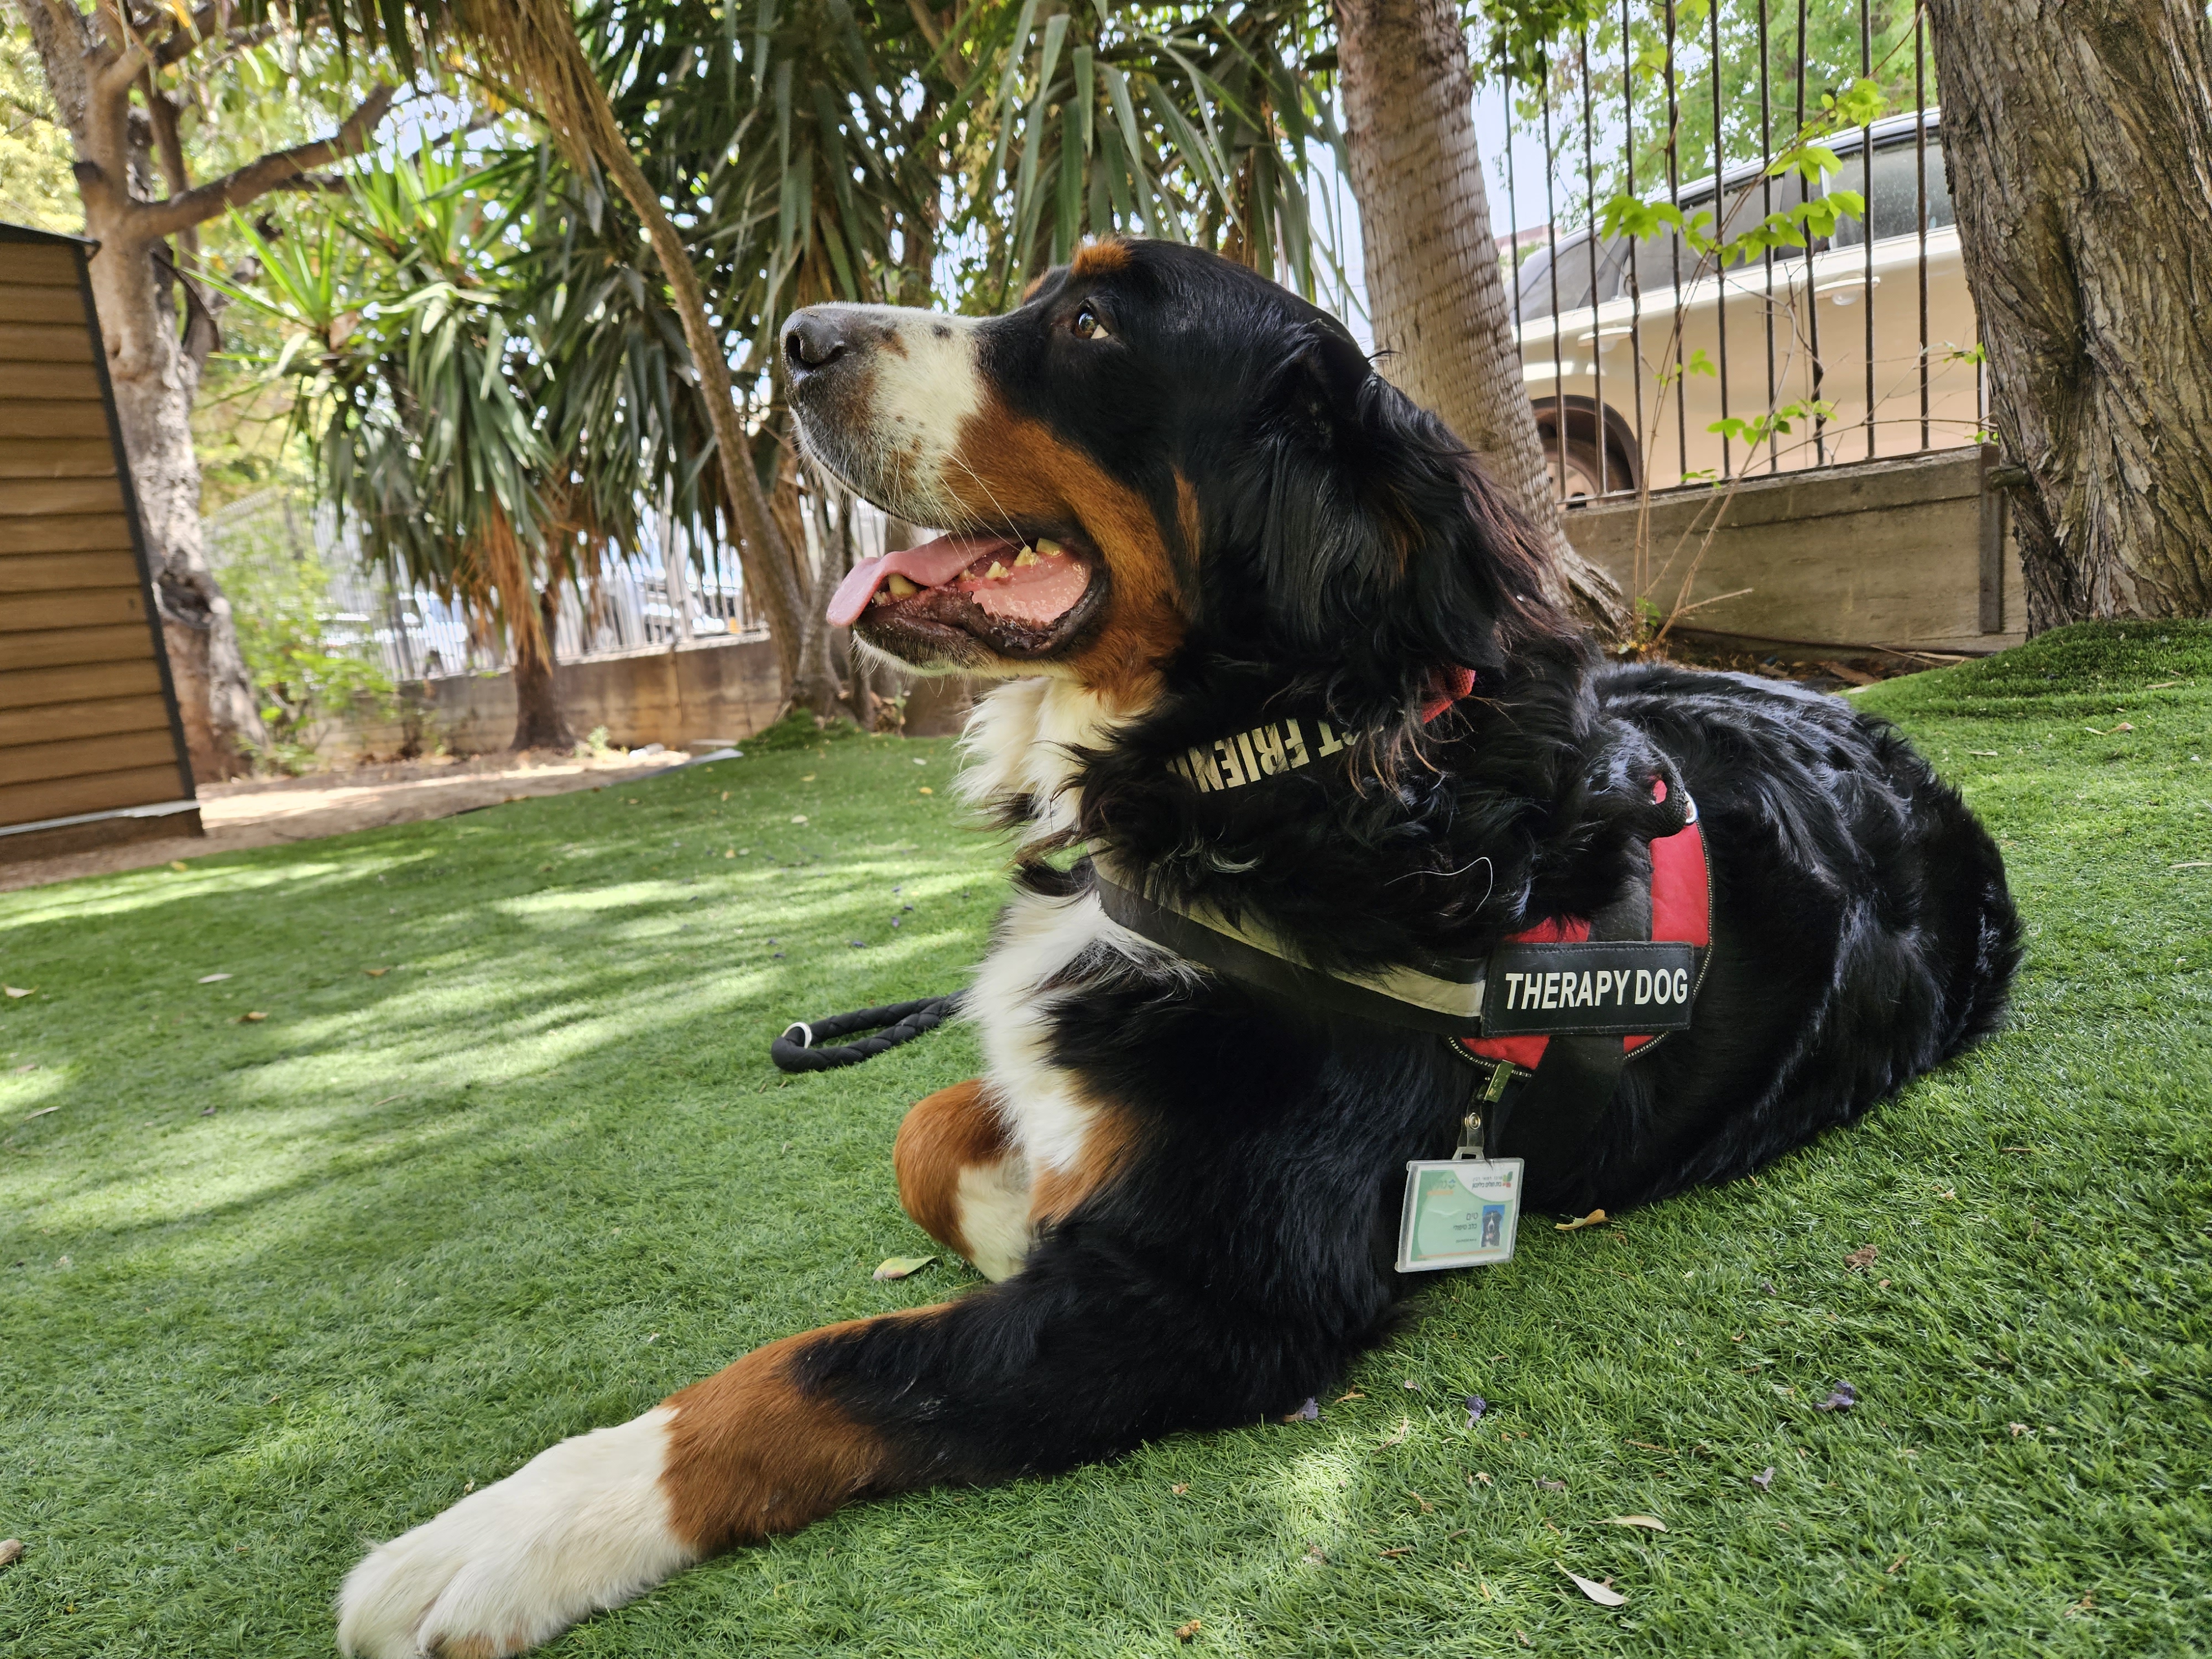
pixel 1459 1212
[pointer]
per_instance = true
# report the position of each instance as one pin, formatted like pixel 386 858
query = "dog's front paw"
pixel 582 1527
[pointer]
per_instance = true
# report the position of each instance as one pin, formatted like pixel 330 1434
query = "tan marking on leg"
pixel 1187 519
pixel 943 1136
pixel 750 1456
pixel 1108 1143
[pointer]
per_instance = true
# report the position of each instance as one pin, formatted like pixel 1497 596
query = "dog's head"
pixel 1159 453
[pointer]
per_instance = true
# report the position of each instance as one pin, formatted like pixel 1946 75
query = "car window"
pixel 1663 262
pixel 1894 201
pixel 1535 288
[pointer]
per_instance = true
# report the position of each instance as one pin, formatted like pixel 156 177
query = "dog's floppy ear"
pixel 1336 371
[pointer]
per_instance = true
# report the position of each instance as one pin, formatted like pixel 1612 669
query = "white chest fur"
pixel 1019 741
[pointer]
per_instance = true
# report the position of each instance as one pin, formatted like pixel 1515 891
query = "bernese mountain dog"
pixel 1184 504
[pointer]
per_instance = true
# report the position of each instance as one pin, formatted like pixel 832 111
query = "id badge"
pixel 1459 1212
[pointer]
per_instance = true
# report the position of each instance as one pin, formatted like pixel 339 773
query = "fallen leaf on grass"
pixel 179 864
pixel 211 979
pixel 2165 685
pixel 799 817
pixel 11 1551
pixel 1189 1632
pixel 253 1017
pixel 1308 1412
pixel 1403 1549
pixel 2192 863
pixel 1894 1566
pixel 1482 1475
pixel 1986 754
pixel 1603 1593
pixel 42 1111
pixel 15 990
pixel 925 790
pixel 1763 1479
pixel 2125 726
pixel 378 973
pixel 1594 1219
pixel 2018 1429
pixel 1553 1486
pixel 1351 1394
pixel 1180 1488
pixel 1397 1435
pixel 1316 1555
pixel 1861 1259
pixel 901 1267
pixel 1476 1405
pixel 1651 1521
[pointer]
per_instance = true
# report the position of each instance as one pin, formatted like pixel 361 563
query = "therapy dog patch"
pixel 1590 989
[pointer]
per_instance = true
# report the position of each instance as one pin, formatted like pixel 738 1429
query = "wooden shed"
pixel 91 749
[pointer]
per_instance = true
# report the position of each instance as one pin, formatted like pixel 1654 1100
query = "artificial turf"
pixel 505 1160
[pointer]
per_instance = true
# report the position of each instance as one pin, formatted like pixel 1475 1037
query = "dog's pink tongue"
pixel 932 564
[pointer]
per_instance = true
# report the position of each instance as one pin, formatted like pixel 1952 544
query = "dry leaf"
pixel 1316 1555
pixel 809 778
pixel 1413 1385
pixel 1894 1566
pixel 177 864
pixel 1403 1549
pixel 42 1112
pixel 799 817
pixel 253 1018
pixel 2125 726
pixel 1861 1259
pixel 1553 1486
pixel 1483 1475
pixel 15 991
pixel 1986 754
pixel 1427 1508
pixel 925 790
pixel 1596 1218
pixel 376 973
pixel 211 979
pixel 1397 1435
pixel 1604 1595
pixel 11 1551
pixel 1189 1632
pixel 1350 1394
pixel 901 1267
pixel 2018 1429
pixel 1651 1520
pixel 1308 1412
pixel 1763 1479
pixel 1180 1488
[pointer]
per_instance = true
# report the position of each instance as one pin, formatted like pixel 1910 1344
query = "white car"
pixel 1797 329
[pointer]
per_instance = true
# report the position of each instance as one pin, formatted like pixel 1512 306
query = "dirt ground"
pixel 263 812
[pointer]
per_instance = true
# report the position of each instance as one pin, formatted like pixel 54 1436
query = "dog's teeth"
pixel 1026 556
pixel 901 587
pixel 996 572
pixel 1049 548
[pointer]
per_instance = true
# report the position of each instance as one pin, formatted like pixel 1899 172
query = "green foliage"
pixel 540 1173
pixel 303 665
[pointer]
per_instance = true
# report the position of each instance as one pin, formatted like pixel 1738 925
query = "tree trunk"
pixel 2079 143
pixel 538 723
pixel 1434 282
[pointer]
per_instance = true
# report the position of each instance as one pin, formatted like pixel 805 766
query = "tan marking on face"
pixel 1100 258
pixel 1030 287
pixel 945 1135
pixel 1109 1141
pixel 1012 466
pixel 750 1456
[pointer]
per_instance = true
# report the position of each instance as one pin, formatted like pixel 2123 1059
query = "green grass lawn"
pixel 505 1160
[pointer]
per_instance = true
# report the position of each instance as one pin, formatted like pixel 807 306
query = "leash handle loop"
pixel 888 1026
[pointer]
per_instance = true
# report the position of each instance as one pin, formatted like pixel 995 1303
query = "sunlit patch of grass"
pixel 535 1172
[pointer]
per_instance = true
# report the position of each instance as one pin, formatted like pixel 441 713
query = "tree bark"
pixel 2079 142
pixel 1434 284
pixel 153 366
pixel 538 721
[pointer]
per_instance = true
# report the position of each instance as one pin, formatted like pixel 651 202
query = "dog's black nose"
pixel 815 339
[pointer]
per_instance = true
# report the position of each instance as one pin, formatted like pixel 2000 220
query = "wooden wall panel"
pixel 27 498
pixel 50 417
pixel 64 722
pixel 44 343
pixel 66 533
pixel 42 305
pixel 31 688
pixel 26 803
pixel 40 763
pixel 51 383
pixel 79 607
pixel 47 573
pixel 57 458
pixel 56 646
pixel 34 265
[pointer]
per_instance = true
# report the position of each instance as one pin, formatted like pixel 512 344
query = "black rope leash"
pixel 806 1046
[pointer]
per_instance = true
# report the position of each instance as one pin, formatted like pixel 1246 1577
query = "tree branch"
pixel 271 172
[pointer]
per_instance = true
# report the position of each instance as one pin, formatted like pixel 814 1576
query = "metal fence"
pixel 1652 364
pixel 675 593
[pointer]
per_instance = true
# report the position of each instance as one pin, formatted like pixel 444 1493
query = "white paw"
pixel 582 1527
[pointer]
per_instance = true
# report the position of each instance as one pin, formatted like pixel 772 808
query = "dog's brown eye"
pixel 1087 326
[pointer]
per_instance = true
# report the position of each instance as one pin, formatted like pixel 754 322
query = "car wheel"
pixel 1580 477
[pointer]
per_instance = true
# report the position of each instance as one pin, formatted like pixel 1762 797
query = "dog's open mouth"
pixel 1019 597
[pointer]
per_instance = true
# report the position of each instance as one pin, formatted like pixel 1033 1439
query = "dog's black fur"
pixel 1350 552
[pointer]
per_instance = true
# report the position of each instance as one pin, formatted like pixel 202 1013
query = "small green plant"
pixel 304 669
pixel 595 746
